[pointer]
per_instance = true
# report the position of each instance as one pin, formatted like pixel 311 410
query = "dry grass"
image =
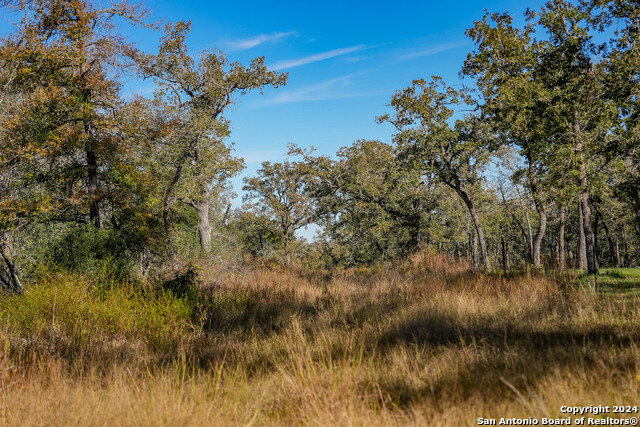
pixel 420 343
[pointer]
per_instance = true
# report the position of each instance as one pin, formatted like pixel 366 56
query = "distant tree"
pixel 370 201
pixel 258 233
pixel 280 193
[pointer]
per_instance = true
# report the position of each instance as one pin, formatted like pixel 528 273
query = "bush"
pixel 108 256
pixel 67 311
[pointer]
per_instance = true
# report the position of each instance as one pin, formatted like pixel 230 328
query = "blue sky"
pixel 345 61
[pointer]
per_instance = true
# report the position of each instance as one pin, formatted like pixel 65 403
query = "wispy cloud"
pixel 315 58
pixel 259 39
pixel 433 50
pixel 258 156
pixel 328 89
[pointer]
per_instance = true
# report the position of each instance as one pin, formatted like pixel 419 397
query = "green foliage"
pixel 372 205
pixel 281 192
pixel 108 256
pixel 69 308
pixel 187 128
pixel 61 144
pixel 259 235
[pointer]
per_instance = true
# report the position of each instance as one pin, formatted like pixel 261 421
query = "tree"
pixel 62 155
pixel 259 234
pixel 624 69
pixel 504 66
pixel 456 154
pixel 195 97
pixel 279 189
pixel 64 97
pixel 562 97
pixel 369 201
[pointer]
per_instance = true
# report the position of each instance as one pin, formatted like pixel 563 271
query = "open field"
pixel 417 344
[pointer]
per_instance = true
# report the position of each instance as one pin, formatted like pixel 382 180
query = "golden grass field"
pixel 422 343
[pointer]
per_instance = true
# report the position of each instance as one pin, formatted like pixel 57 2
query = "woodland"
pixel 487 255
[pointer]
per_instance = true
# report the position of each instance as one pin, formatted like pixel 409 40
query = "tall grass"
pixel 420 343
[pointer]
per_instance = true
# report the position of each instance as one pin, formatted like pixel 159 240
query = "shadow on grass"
pixel 520 347
pixel 502 355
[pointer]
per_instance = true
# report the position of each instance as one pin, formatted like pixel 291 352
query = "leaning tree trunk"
pixel 476 222
pixel 12 282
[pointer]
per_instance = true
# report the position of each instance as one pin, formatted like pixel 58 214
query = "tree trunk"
pixel 202 207
pixel 592 267
pixel 572 259
pixel 90 154
pixel 287 252
pixel 92 188
pixel 474 249
pixel 504 255
pixel 584 199
pixel 204 226
pixel 582 242
pixel 476 222
pixel 596 246
pixel 635 204
pixel 537 240
pixel 13 283
pixel 561 259
pixel 526 215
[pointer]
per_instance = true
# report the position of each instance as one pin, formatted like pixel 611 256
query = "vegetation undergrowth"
pixel 407 344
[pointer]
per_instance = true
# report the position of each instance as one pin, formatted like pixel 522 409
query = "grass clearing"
pixel 406 345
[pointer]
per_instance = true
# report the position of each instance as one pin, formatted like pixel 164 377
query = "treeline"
pixel 535 161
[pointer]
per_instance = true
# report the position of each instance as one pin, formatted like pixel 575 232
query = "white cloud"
pixel 433 50
pixel 315 58
pixel 328 89
pixel 259 39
